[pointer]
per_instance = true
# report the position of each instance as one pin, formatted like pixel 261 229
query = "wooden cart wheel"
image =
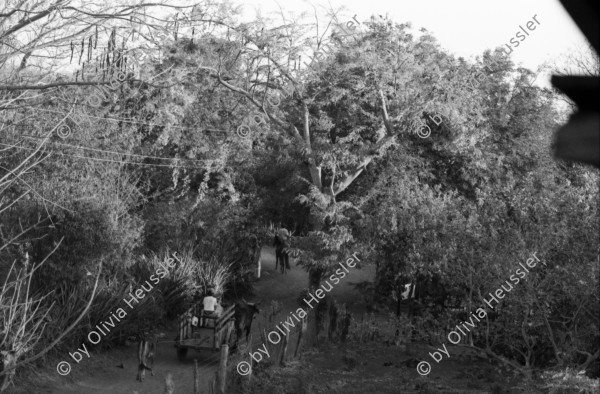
pixel 181 353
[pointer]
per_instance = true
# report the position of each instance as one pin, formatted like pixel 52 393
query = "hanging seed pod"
pixel 72 49
pixel 90 48
pixel 96 42
pixel 96 71
pixel 122 54
pixel 82 50
pixel 114 43
pixel 83 72
pixel 76 75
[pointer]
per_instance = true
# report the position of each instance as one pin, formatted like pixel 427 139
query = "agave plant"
pixel 213 274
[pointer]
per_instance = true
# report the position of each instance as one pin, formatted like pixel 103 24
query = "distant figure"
pixel 281 243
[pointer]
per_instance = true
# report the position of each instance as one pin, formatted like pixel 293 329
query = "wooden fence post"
pixel 211 385
pixel 196 378
pixel 301 333
pixel 169 386
pixel 223 368
pixel 320 311
pixel 333 315
pixel 248 376
pixel 283 350
pixel 263 335
pixel 345 327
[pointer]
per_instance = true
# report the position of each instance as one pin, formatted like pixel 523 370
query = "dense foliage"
pixel 332 153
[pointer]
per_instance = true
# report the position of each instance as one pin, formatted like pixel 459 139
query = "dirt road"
pixel 114 372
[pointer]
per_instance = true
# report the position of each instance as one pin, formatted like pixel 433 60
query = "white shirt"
pixel 209 303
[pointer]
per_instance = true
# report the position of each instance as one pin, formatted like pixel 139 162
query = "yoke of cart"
pixel 208 334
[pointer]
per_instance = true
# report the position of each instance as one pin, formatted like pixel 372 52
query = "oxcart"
pixel 215 331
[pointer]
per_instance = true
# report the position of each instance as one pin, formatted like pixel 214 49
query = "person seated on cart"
pixel 211 308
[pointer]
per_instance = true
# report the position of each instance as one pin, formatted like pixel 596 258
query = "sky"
pixel 462 27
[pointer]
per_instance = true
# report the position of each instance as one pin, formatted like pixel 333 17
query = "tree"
pixel 23 315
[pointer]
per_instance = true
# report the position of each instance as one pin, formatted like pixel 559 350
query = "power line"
pixel 114 152
pixel 130 121
pixel 106 160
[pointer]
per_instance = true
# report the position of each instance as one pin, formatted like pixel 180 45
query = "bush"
pixel 568 381
pixel 173 292
pixel 86 239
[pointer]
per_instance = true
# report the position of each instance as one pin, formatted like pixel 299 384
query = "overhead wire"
pixel 214 359
pixel 107 160
pixel 126 120
pixel 137 122
pixel 114 152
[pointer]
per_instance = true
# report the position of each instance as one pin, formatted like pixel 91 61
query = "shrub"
pixel 86 239
pixel 174 291
pixel 569 381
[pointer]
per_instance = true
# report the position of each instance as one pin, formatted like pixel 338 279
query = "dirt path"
pixel 286 288
pixel 114 372
pixel 105 374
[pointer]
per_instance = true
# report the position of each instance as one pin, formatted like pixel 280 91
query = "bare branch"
pixel 63 334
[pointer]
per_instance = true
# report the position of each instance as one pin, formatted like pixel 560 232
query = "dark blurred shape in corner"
pixel 579 139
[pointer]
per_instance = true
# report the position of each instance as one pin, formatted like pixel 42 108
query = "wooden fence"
pixel 336 326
